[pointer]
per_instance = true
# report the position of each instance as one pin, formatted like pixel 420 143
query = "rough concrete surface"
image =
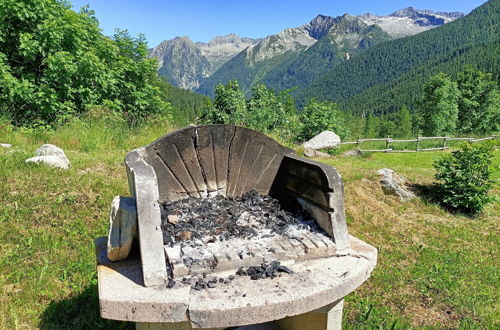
pixel 144 187
pixel 314 284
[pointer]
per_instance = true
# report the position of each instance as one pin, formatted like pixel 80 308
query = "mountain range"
pixel 201 66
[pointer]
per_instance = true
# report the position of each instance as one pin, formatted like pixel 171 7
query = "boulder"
pixel 308 152
pixel 50 155
pixel 393 183
pixel 325 139
pixel 50 150
pixel 52 161
pixel 5 145
pixel 353 152
pixel 122 227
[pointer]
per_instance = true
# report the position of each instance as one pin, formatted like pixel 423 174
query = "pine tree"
pixel 403 123
pixel 371 127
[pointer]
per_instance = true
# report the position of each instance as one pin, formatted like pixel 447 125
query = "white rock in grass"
pixel 325 139
pixel 122 227
pixel 53 161
pixel 50 150
pixel 396 184
pixel 5 145
pixel 50 155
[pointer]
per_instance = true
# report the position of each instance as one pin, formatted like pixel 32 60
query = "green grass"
pixel 435 269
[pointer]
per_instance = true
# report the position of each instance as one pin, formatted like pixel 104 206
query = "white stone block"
pixel 122 227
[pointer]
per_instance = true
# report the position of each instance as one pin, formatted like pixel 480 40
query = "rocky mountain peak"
pixel 405 12
pixel 319 26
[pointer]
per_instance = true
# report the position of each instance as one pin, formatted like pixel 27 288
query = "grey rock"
pixel 308 152
pixel 325 139
pixel 50 150
pixel 50 155
pixel 52 161
pixel 5 145
pixel 122 227
pixel 353 152
pixel 393 183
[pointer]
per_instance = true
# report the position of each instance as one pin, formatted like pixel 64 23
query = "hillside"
pixel 391 69
pixel 345 39
pixel 186 63
pixel 295 57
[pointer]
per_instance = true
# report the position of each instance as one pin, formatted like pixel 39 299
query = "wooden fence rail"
pixel 419 139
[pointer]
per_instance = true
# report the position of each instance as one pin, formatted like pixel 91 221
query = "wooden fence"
pixel 419 139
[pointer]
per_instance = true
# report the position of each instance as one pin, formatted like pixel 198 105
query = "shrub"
pixel 465 179
pixel 321 116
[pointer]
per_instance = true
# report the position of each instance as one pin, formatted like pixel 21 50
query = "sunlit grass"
pixel 435 269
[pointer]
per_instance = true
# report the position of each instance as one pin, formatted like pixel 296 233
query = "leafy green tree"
pixel 479 102
pixel 403 123
pixel 439 106
pixel 321 116
pixel 55 64
pixel 465 178
pixel 229 106
pixel 267 111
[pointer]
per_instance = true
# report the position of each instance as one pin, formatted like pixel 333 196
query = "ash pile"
pixel 225 235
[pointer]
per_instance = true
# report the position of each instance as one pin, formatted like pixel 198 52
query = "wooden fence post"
pixel 418 142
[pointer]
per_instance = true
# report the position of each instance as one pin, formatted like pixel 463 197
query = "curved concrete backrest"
pixel 210 160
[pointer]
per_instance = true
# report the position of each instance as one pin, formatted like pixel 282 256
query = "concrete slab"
pixel 314 284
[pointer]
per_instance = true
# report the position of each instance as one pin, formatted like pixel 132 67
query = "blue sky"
pixel 203 20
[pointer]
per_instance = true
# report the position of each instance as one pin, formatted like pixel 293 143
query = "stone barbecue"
pixel 218 207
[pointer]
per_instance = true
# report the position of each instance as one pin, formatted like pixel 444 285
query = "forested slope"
pixel 390 73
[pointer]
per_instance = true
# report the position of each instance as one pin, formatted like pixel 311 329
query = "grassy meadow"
pixel 435 269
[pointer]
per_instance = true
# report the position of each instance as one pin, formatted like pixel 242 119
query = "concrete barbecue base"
pixel 317 286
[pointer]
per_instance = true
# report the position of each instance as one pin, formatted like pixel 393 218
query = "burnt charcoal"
pixel 198 286
pixel 186 280
pixel 170 284
pixel 231 277
pixel 227 281
pixel 241 271
pixel 284 269
pixel 216 218
pixel 211 285
pixel 265 270
pixel 275 264
pixel 221 280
